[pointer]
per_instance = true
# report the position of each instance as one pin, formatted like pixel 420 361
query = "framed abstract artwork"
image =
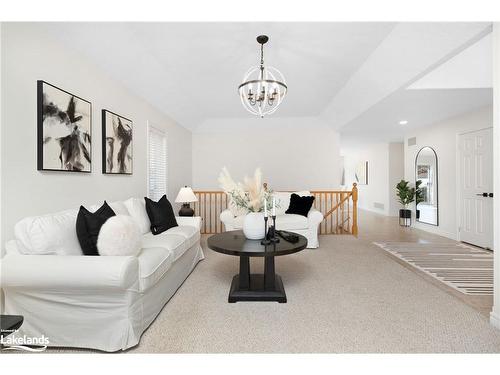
pixel 117 150
pixel 64 130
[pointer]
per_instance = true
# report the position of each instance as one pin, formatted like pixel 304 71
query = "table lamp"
pixel 185 197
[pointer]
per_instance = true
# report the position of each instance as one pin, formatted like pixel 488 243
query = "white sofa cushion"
pixel 174 243
pixel 238 221
pixel 118 208
pixel 153 264
pixel 283 222
pixel 137 209
pixel 282 202
pixel 48 234
pixel 291 222
pixel 191 234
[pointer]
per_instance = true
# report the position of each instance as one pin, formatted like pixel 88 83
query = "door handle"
pixel 484 194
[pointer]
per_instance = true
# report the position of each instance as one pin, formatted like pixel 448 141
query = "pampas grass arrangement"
pixel 248 196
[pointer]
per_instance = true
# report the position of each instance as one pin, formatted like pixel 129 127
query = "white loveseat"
pixel 100 302
pixel 306 226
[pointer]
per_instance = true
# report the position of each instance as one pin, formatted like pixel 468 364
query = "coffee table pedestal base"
pixel 257 290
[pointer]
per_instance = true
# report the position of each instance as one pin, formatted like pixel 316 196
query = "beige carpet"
pixel 347 296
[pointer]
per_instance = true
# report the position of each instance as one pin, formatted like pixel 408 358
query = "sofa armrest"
pixel 192 221
pixel 314 217
pixel 226 216
pixel 64 272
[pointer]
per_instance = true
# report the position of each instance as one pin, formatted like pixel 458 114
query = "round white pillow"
pixel 120 235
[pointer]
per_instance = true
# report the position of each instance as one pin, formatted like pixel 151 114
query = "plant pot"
pixel 405 217
pixel 404 214
pixel 253 226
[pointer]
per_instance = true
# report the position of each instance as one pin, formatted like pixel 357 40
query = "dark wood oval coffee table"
pixel 254 287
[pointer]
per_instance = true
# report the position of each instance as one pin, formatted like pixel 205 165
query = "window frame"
pixel 155 128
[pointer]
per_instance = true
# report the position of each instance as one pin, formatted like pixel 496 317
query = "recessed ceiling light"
pixel 403 122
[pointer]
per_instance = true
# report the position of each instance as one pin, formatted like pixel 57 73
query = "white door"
pixel 476 188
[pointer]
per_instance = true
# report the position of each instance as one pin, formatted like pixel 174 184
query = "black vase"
pixel 417 214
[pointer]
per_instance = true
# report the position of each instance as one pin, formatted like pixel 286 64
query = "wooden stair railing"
pixel 339 209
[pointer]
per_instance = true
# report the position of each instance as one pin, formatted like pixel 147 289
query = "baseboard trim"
pixel 495 319
pixel 435 230
pixel 374 210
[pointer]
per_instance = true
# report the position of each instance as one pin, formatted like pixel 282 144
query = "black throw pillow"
pixel 299 205
pixel 161 215
pixel 89 224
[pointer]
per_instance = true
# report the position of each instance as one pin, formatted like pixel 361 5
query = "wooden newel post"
pixel 354 209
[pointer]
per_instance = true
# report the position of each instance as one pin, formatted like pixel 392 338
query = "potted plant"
pixel 406 195
pixel 419 197
pixel 247 199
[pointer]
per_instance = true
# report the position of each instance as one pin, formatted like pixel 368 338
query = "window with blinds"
pixel 157 168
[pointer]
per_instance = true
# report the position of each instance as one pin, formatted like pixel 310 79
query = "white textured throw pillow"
pixel 137 209
pixel 120 235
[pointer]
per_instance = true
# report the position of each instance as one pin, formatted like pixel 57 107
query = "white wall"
pixel 396 174
pixel 28 55
pixel 442 137
pixel 293 153
pixel 385 170
pixel 495 314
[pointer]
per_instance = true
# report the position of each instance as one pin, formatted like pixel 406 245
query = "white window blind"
pixel 157 169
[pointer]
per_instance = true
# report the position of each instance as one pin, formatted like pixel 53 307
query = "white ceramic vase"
pixel 253 226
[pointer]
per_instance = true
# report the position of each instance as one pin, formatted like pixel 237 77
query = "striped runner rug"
pixel 462 267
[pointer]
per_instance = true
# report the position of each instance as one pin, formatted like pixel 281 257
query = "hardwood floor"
pixel 374 227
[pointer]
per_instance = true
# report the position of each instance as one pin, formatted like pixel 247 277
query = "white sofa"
pixel 100 302
pixel 306 226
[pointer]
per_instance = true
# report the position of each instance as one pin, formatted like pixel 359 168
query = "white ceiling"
pixel 461 83
pixel 409 52
pixel 351 75
pixel 419 107
pixel 471 68
pixel 191 71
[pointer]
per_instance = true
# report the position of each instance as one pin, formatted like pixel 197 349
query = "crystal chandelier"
pixel 264 87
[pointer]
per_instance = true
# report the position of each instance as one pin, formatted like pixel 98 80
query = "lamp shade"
pixel 186 195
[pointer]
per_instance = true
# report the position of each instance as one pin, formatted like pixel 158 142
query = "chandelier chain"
pixel 263 94
pixel 262 55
